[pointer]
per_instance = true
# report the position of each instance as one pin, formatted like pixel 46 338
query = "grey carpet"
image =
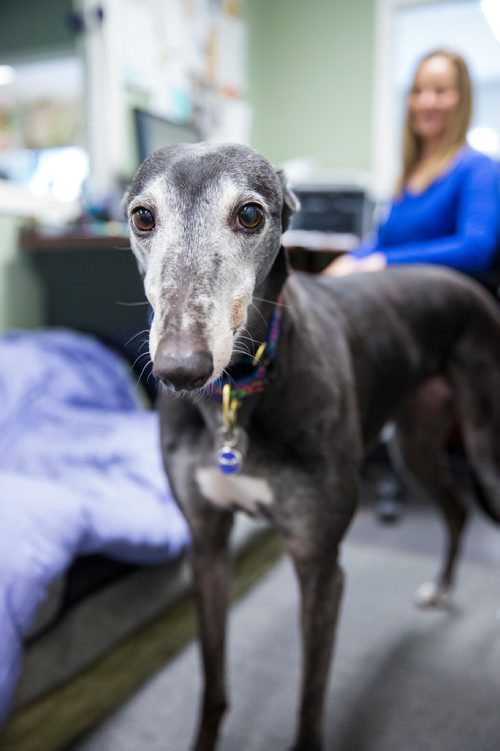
pixel 404 680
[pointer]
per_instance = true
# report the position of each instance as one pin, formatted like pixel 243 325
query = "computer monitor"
pixel 332 208
pixel 153 132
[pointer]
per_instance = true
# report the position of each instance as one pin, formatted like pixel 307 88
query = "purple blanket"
pixel 80 472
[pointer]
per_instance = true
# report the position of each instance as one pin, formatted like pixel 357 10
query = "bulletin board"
pixel 187 60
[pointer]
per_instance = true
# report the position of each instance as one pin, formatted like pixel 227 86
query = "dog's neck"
pixel 264 300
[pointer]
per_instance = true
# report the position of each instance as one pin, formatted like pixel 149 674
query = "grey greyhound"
pixel 288 379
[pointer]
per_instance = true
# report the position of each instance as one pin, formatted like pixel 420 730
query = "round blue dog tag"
pixel 229 460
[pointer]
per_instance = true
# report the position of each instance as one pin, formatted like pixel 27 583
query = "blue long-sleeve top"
pixel 454 222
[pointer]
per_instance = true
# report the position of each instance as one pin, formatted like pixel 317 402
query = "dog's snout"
pixel 183 371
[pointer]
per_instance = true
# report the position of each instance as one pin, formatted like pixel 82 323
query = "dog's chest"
pixel 238 491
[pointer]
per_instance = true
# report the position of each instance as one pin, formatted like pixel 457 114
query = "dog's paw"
pixel 432 595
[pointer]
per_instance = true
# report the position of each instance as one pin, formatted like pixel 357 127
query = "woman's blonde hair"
pixel 456 129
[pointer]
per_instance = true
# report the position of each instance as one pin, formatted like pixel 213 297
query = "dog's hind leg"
pixel 419 449
pixel 210 531
pixel 477 382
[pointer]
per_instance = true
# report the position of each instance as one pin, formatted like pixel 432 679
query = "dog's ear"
pixel 291 203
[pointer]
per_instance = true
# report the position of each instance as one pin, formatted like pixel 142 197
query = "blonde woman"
pixel 446 209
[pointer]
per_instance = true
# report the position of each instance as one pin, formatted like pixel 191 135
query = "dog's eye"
pixel 143 219
pixel 250 216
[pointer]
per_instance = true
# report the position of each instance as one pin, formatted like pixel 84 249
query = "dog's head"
pixel 205 226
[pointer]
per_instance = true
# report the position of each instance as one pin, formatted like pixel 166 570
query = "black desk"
pixel 90 283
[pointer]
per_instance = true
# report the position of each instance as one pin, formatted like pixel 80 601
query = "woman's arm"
pixel 473 246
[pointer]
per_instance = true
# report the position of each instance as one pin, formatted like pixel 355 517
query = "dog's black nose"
pixel 186 371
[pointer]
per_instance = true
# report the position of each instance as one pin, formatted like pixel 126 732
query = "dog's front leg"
pixel 210 560
pixel 314 552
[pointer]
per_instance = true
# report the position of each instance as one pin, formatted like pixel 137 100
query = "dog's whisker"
pixel 243 352
pixel 242 349
pixel 247 337
pixel 245 342
pixel 139 380
pixel 257 309
pixel 139 358
pixel 271 302
pixel 245 334
pixel 227 374
pixel 208 390
pixel 139 333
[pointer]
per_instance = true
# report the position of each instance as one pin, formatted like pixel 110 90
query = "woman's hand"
pixel 349 264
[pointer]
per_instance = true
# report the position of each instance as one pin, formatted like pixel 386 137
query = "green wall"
pixel 311 79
